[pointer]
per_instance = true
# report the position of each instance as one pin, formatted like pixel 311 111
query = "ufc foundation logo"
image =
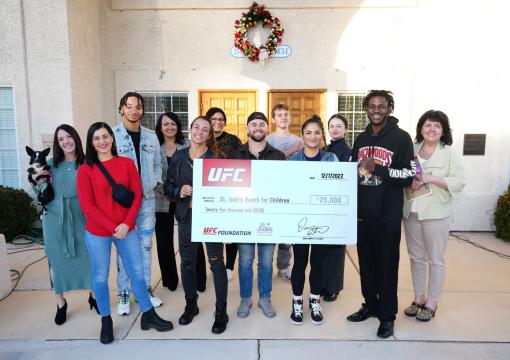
pixel 210 231
pixel 220 172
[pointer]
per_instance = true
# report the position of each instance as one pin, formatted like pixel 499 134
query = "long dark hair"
pixel 58 153
pixel 91 154
pixel 315 119
pixel 211 141
pixel 179 137
pixel 435 116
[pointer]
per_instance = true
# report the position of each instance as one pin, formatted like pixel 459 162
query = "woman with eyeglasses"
pixel 227 143
pixel 108 222
pixel 179 187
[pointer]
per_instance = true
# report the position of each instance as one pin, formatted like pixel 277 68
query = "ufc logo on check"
pixel 221 172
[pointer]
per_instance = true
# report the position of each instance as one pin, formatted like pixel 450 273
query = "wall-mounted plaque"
pixel 474 144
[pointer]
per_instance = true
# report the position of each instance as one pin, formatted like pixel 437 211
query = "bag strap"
pixel 106 174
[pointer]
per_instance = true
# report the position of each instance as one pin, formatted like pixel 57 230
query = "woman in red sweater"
pixel 109 222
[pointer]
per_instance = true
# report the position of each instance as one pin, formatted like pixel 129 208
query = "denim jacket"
pixel 150 158
pixel 325 156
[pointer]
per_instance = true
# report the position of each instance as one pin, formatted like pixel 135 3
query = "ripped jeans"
pixel 145 223
pixel 188 251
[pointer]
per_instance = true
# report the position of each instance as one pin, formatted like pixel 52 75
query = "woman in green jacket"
pixel 64 224
pixel 428 208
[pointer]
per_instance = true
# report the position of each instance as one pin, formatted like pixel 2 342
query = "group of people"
pixel 154 170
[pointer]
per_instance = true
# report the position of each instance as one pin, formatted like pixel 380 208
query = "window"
pixel 350 105
pixel 157 103
pixel 9 175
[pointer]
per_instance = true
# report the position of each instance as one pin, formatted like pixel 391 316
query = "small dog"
pixel 38 164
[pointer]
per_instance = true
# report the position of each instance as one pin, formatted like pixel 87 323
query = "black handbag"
pixel 120 193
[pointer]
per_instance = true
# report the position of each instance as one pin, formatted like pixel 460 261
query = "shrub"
pixel 17 212
pixel 502 216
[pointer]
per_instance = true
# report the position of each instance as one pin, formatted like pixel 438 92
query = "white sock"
pixel 312 296
pixel 296 298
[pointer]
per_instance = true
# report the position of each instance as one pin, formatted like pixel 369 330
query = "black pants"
pixel 189 251
pixel 333 269
pixel 166 252
pixel 231 254
pixel 317 258
pixel 379 254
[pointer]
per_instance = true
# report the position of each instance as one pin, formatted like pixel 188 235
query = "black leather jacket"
pixel 180 172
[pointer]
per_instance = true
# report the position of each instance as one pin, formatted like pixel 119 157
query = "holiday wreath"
pixel 247 21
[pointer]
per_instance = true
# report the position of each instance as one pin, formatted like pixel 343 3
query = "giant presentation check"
pixel 292 202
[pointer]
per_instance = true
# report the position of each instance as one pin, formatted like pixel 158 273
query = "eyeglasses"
pixel 220 120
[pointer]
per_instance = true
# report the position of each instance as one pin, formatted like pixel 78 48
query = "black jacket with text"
pixel 380 193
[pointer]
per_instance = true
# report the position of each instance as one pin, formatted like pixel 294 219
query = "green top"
pixel 445 163
pixel 64 230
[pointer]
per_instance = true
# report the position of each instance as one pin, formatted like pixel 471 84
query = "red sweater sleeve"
pixel 103 214
pixel 93 214
pixel 135 185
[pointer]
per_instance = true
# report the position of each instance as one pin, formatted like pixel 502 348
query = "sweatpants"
pixel 379 253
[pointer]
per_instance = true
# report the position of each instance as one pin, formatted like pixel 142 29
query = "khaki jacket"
pixel 445 163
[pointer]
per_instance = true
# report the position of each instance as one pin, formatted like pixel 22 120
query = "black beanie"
pixel 257 116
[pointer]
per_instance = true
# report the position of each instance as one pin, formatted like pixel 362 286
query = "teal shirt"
pixel 64 230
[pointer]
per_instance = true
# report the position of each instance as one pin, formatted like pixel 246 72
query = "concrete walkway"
pixel 472 321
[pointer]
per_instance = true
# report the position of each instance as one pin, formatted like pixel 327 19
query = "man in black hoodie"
pixel 384 153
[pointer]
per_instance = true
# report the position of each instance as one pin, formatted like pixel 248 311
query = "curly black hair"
pixel 124 99
pixel 435 116
pixel 388 95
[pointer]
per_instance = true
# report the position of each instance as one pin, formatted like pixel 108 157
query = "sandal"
pixel 413 309
pixel 426 313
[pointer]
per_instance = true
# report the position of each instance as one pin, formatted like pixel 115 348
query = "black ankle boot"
pixel 106 330
pixel 190 311
pixel 220 319
pixel 93 303
pixel 152 320
pixel 60 316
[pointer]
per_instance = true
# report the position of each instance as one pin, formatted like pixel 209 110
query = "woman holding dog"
pixel 64 224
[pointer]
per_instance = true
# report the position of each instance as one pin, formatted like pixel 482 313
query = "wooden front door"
pixel 237 105
pixel 302 105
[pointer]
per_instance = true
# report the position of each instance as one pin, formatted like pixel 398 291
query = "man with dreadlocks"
pixel 384 153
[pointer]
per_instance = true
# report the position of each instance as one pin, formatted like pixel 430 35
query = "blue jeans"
pixel 145 223
pixel 283 256
pixel 265 269
pixel 100 248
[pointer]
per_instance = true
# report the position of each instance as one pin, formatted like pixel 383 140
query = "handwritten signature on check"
pixel 312 229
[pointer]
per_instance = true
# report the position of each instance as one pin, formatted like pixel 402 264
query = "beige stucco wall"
pixel 85 63
pixel 13 74
pixel 35 62
pixel 83 55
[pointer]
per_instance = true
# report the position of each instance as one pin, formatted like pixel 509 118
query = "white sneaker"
pixel 230 276
pixel 124 306
pixel 156 302
pixel 285 273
